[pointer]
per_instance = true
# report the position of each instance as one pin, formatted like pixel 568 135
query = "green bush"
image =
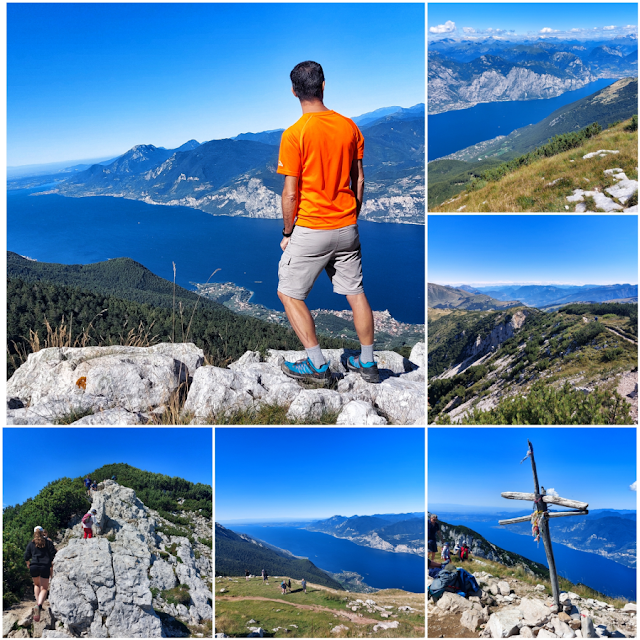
pixel 177 595
pixel 546 405
pixel 633 125
pixel 609 355
pixel 207 542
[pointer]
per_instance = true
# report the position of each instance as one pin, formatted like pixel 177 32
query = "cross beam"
pixel 541 501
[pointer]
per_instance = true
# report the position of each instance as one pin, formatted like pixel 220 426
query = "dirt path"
pixel 354 617
pixel 621 336
pixel 627 385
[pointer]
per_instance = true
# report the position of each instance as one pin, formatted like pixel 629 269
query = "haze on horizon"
pixel 94 80
pixel 316 473
pixel 580 249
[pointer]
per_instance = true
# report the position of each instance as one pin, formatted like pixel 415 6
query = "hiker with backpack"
pixel 87 485
pixel 39 556
pixel 88 520
pixel 464 552
pixel 283 586
pixel 304 585
pixel 434 532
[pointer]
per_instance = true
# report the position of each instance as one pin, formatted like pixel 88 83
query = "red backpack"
pixel 464 552
pixel 85 517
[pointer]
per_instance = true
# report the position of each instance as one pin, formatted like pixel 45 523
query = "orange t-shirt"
pixel 319 149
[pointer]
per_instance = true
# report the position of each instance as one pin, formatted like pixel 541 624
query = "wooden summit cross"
pixel 540 501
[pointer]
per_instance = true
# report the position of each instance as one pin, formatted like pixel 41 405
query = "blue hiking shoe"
pixel 368 370
pixel 304 371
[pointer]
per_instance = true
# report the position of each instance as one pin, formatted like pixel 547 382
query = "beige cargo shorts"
pixel 309 251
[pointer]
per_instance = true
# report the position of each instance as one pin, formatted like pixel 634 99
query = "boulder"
pixel 402 401
pixel 562 629
pixel 539 587
pixel 340 628
pixel 505 623
pixel 55 634
pixel 358 412
pixel 505 588
pixel 310 404
pixel 543 633
pixel 112 416
pixel 9 618
pixel 82 378
pixel 526 632
pixel 163 576
pixel 20 633
pixel 218 392
pixel 630 607
pixel 453 603
pixel 386 625
pixel 472 619
pixel 535 612
pixel 256 632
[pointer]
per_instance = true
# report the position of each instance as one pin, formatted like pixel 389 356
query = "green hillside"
pixel 61 499
pixel 464 169
pixel 542 179
pixel 68 316
pixel 235 555
pixel 446 297
pixel 561 367
pixel 121 278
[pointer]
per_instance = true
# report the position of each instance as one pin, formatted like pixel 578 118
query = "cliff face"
pixel 102 586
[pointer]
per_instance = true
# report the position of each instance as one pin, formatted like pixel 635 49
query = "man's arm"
pixel 357 183
pixel 289 206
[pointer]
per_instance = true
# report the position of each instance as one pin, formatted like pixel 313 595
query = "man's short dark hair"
pixel 306 79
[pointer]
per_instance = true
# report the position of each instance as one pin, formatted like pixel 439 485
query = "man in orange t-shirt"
pixel 321 159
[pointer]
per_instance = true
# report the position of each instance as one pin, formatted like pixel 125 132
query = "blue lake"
pixel 380 569
pixel 53 228
pixel 603 575
pixel 455 130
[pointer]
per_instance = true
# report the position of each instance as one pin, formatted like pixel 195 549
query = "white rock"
pixel 310 404
pixel 623 190
pixel 453 603
pixel 163 576
pixel 358 412
pixel 504 623
pixel 386 625
pixel 472 619
pixel 630 606
pixel 249 357
pixel 112 416
pixel 525 632
pixel 600 153
pixel 402 401
pixel 535 612
pixel 339 628
pixel 215 391
pixel 539 587
pixel 505 588
pixel 543 633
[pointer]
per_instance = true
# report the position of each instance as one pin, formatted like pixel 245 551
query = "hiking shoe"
pixel 368 370
pixel 304 371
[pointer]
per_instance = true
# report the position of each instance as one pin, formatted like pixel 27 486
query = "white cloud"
pixel 633 486
pixel 611 28
pixel 576 30
pixel 468 29
pixel 552 492
pixel 548 30
pixel 447 27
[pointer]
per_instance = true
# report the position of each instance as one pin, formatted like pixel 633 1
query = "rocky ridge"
pixel 505 607
pixel 114 585
pixel 136 385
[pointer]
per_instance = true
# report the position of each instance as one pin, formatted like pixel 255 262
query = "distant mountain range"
pixel 237 552
pixel 399 533
pixel 464 73
pixel 618 101
pixel 553 295
pixel 446 297
pixel 237 177
pixel 609 533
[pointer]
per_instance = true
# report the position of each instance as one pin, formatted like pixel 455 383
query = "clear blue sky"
pixel 587 464
pixel 317 473
pixel 90 80
pixel 537 249
pixel 31 458
pixel 575 20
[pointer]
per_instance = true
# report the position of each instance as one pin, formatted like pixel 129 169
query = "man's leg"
pixel 363 321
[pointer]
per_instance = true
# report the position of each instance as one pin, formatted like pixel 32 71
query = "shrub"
pixel 177 595
pixel 207 542
pixel 633 125
pixel 608 355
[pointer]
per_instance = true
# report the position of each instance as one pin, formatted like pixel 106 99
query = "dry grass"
pixel 529 190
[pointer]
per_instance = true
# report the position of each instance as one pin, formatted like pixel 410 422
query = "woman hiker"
pixel 39 556
pixel 88 520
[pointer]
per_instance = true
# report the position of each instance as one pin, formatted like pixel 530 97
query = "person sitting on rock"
pixel 94 486
pixel 88 520
pixel 39 556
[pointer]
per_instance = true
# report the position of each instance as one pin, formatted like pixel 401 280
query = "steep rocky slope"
pixel 132 580
pixel 140 385
pixel 478 360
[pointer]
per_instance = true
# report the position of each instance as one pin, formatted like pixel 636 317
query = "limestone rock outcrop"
pixel 132 385
pixel 102 586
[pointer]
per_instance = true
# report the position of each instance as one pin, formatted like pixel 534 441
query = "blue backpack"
pixel 445 581
pixel 468 581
